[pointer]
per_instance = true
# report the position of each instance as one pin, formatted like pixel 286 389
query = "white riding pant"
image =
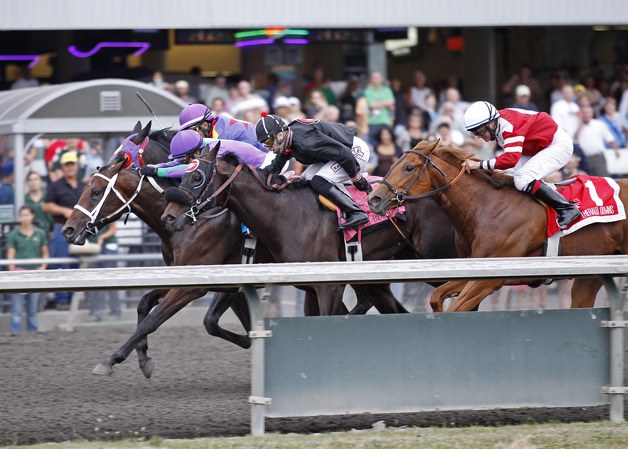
pixel 332 171
pixel 545 162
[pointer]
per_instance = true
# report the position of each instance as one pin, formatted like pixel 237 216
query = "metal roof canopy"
pixel 75 108
pixel 81 108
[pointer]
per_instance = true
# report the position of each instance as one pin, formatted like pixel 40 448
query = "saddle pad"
pixel 360 199
pixel 596 197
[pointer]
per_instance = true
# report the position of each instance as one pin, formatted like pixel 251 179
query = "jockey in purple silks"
pixel 187 145
pixel 201 119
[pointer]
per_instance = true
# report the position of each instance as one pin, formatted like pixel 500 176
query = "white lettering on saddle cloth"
pixel 596 197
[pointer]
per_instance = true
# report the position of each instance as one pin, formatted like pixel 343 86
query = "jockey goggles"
pixel 479 131
pixel 269 142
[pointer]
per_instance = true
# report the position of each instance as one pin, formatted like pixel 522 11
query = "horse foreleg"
pixel 310 303
pixel 330 300
pixel 221 303
pixel 473 294
pixel 441 293
pixel 380 296
pixel 584 291
pixel 146 304
pixel 174 301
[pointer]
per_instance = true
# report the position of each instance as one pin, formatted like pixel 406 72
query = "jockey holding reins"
pixel 332 151
pixel 534 146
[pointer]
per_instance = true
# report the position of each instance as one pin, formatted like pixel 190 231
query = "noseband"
pixel 402 196
pixel 92 225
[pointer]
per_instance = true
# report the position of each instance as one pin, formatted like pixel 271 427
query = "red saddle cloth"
pixel 596 197
pixel 360 199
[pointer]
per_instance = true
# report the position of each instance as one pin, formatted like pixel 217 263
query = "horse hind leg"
pixel 220 304
pixel 584 291
pixel 146 304
pixel 380 296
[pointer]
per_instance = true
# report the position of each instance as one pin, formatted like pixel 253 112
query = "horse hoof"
pixel 102 370
pixel 148 368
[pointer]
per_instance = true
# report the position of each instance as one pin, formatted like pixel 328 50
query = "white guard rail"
pixel 250 276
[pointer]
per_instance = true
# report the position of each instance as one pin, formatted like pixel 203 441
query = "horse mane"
pixel 453 155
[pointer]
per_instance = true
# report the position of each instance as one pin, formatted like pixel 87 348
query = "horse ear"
pixel 138 127
pixel 432 147
pixel 214 151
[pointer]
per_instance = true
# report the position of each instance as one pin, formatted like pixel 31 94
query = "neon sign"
pixel 142 47
pixel 268 36
pixel 33 58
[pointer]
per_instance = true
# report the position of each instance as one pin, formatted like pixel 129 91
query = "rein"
pixel 402 196
pixel 268 180
pixel 198 207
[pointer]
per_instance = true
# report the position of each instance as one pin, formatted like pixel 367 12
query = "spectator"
pixel 522 99
pixel 400 113
pixel 418 92
pixel 415 128
pixel 57 149
pixel 381 104
pixel 94 160
pixel 454 107
pixel 331 114
pixel 34 198
pixel 106 238
pixel 349 99
pixel 593 135
pixel 7 193
pixel 249 105
pixel 321 83
pixel 430 115
pixel 571 168
pixel 295 108
pixel 217 90
pixel 581 95
pixel 219 106
pixel 26 241
pixel 447 135
pixel 182 90
pixel 25 79
pixel 565 111
pixel 281 107
pixel 523 76
pixel 158 81
pixel 61 197
pixel 387 152
pixel 557 82
pixel 592 93
pixel 611 118
pixel 316 105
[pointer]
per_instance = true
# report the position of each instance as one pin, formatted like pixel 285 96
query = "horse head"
pixel 190 198
pixel 409 176
pixel 92 204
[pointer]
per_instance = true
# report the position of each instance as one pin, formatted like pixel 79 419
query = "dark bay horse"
pixel 493 222
pixel 295 228
pixel 216 239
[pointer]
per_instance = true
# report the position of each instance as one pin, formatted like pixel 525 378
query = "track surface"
pixel 200 387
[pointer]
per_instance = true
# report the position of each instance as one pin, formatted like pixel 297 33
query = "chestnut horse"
pixel 295 228
pixel 493 222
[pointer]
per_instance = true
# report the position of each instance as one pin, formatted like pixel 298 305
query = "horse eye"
pixel 409 168
pixel 95 193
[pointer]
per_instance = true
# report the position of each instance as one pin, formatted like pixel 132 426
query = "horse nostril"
pixel 375 200
pixel 168 218
pixel 67 230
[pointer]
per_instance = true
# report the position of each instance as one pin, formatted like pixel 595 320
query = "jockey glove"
pixel 148 170
pixel 363 184
pixel 276 180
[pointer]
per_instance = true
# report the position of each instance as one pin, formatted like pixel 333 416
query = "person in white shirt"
pixel 565 111
pixel 593 135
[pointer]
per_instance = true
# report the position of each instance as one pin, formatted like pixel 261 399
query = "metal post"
pixel 257 399
pixel 616 389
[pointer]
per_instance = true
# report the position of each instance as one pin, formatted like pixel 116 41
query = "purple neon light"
pixel 254 42
pixel 141 48
pixel 34 58
pixel 296 41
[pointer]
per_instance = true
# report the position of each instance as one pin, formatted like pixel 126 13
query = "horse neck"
pixel 149 205
pixel 462 202
pixel 286 221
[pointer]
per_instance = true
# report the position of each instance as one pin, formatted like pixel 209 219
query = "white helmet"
pixel 478 114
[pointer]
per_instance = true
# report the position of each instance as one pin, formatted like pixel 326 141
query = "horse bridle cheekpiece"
pixel 402 196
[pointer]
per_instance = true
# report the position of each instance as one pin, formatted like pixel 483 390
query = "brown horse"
pixel 294 227
pixel 493 222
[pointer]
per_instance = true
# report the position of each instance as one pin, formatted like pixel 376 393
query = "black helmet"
pixel 268 126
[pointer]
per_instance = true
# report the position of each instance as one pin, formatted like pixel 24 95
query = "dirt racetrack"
pixel 200 387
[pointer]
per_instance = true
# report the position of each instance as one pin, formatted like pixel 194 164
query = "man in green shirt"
pixel 26 242
pixel 381 104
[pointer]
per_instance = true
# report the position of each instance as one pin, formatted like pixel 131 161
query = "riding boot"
pixel 354 215
pixel 567 212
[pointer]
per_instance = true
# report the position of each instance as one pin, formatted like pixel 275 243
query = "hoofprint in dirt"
pixel 200 387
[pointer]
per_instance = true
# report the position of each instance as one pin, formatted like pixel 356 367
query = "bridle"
pixel 93 225
pixel 402 196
